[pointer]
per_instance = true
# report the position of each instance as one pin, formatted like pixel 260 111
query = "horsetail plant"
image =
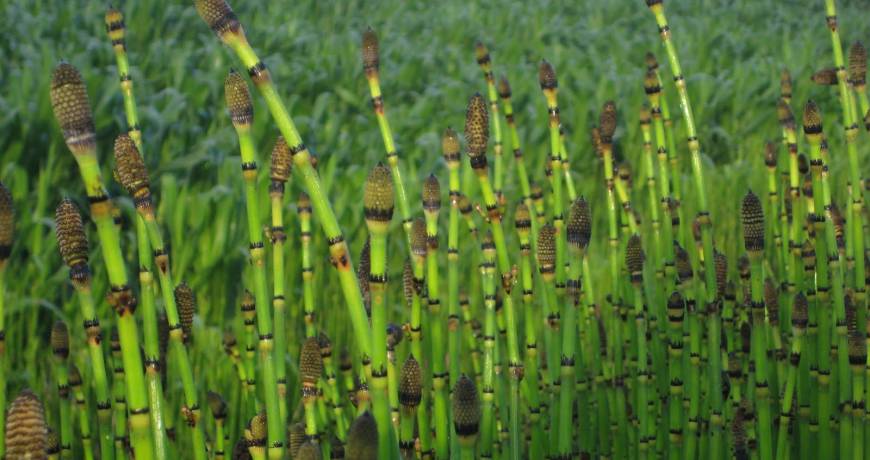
pixel 303 209
pixel 310 370
pixel 485 62
pixel 378 202
pixel 59 341
pixel 362 439
pixel 224 23
pixel 72 110
pixel 418 319
pixel 241 110
pixel 73 245
pixel 218 408
pixel 26 430
pixel 410 395
pixel 450 151
pixel 431 196
pixel 753 237
pixel 279 173
pixel 121 438
pixel 487 273
pixel 371 68
pixel 133 176
pixel 7 225
pixel 75 384
pixel 476 139
pixel 466 416
pixel 116 30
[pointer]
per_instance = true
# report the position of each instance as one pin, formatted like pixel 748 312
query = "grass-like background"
pixel 732 54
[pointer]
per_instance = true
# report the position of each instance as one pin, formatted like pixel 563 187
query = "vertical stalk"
pixel 7 232
pixel 477 137
pixel 487 272
pixel 59 342
pixel 419 247
pixel 279 173
pixel 485 62
pixel 120 401
pixel 117 31
pixel 241 111
pixel 371 67
pixel 75 383
pixel 303 209
pixel 378 201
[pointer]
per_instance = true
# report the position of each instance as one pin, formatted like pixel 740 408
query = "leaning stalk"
pixel 378 204
pixel 116 30
pixel 73 245
pixel 477 136
pixel 371 66
pixel 241 111
pixel 131 171
pixel 220 17
pixel 72 109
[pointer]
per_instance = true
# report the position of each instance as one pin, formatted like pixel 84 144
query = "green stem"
pixel 378 285
pixel 264 316
pixel 276 194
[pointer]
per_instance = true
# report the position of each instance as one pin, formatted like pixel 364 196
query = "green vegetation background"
pixel 732 54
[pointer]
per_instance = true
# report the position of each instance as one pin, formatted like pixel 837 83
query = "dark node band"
pixel 257 70
pixel 249 166
pixel 335 240
pixel 478 161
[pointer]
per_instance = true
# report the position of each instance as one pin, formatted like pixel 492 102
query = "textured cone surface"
pixel 450 145
pixel 504 88
pixel 69 99
pixel 370 50
pixel 258 428
pixel 7 219
pixel 218 15
pixel 52 442
pixel 721 264
pixel 418 237
pixel 362 439
pixel 60 340
pixel 547 76
pixel 308 451
pixel 431 194
pixel 607 122
pixel 185 299
pixel 295 437
pixel 800 311
pixel 71 238
pixel 408 283
pixel 378 197
pixel 310 362
pixel 75 377
pixel 634 255
pixel 130 168
pixel 466 407
pixel 753 223
pixel 784 113
pixel 476 126
pixel 238 98
pixel 217 405
pixel 547 248
pixel 682 263
pixel 410 383
pixel 26 431
pixel 858 64
pixel 771 301
pixel 825 77
pixel 281 160
pixel 579 228
pixel 812 118
pixel 364 271
pixel 481 53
